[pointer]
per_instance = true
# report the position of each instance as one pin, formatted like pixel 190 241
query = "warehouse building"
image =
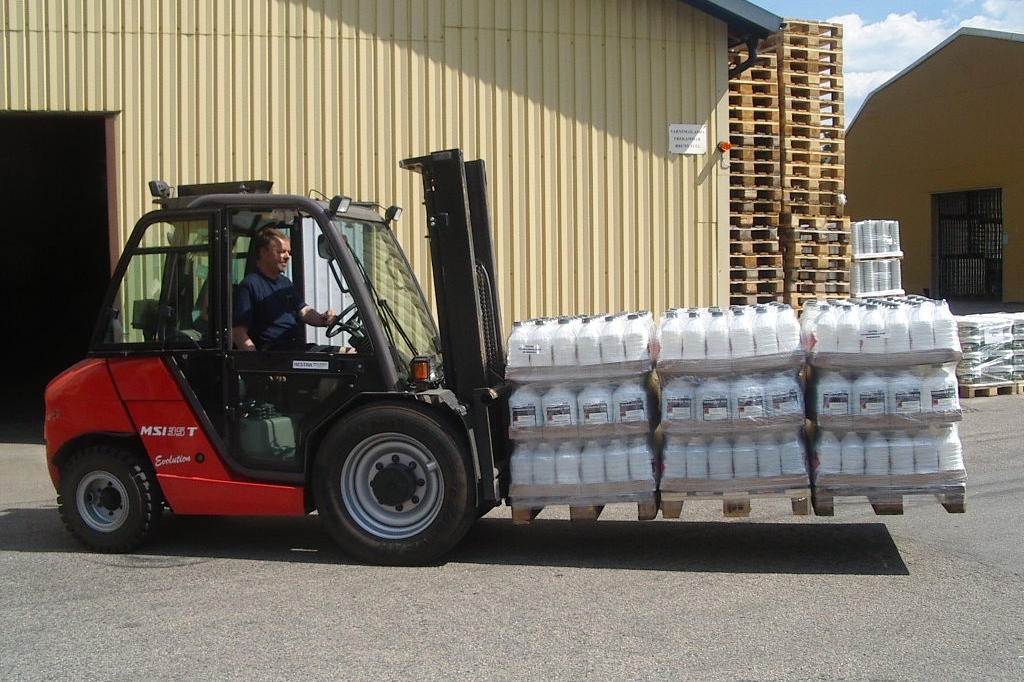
pixel 938 148
pixel 570 103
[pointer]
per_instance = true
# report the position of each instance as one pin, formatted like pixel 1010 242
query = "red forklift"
pixel 399 443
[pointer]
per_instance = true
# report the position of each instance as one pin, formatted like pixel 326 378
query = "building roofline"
pixel 741 16
pixel 961 32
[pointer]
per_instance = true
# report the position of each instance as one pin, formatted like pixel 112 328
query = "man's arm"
pixel 240 336
pixel 315 319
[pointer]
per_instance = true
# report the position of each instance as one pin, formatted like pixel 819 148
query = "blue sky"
pixel 881 38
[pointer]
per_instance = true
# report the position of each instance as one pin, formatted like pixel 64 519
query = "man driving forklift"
pixel 267 306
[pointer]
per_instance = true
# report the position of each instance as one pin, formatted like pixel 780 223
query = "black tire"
pixel 393 485
pixel 109 499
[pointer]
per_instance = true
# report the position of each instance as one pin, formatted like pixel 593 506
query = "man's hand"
pixel 315 319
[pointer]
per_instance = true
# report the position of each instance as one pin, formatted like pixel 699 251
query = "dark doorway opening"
pixel 53 169
pixel 969 244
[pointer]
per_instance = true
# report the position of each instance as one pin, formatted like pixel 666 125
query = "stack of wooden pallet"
pixel 815 236
pixel 790 241
pixel 755 192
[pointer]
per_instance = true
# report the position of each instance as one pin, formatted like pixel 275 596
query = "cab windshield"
pixel 403 312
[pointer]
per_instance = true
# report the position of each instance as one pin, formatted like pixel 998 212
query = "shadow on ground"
pixel 706 547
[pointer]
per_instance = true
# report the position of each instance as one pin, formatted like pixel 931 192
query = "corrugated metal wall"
pixel 568 101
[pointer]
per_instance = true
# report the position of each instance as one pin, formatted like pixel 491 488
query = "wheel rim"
pixel 102 501
pixel 392 486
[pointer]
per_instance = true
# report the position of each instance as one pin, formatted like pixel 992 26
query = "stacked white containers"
pixel 580 411
pixel 884 398
pixel 993 347
pixel 732 411
pixel 877 258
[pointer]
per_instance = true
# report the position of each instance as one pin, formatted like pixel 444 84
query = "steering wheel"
pixel 347 321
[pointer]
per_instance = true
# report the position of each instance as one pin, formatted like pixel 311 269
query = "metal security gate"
pixel 969 243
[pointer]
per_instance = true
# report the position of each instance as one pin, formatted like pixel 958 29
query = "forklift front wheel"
pixel 394 485
pixel 109 499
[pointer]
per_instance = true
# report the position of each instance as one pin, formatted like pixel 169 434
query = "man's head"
pixel 275 250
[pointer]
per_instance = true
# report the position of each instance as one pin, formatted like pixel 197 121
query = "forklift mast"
pixel 462 258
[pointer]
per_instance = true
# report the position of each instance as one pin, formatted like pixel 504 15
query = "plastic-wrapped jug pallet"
pixel 732 410
pixel 884 401
pixel 580 415
pixel 993 354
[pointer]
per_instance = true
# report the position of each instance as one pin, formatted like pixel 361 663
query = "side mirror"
pixel 323 248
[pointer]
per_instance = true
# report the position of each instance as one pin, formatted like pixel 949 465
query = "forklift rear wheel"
pixel 109 499
pixel 394 486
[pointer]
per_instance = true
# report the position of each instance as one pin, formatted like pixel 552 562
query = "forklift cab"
pixel 173 296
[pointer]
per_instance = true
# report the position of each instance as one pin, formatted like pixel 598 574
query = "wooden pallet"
pixel 751 233
pixel 824 81
pixel 763 127
pixel 991 390
pixel 754 221
pixel 953 498
pixel 811 234
pixel 752 299
pixel 736 504
pixel 820 249
pixel 646 511
pixel 755 288
pixel 753 246
pixel 762 260
pixel 746 274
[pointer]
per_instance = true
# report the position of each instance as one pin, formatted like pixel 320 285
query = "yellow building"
pixel 569 102
pixel 938 148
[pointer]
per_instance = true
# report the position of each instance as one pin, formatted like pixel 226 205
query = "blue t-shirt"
pixel 268 307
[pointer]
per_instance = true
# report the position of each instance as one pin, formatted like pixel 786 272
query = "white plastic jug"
pixel 829 452
pixel 543 464
pixel 783 397
pixel 630 403
pixel 720 459
pixel 825 331
pixel 852 454
pixel 670 337
pixel 748 398
pixel 946 333
pixel 939 390
pixel 594 403
pixel 717 336
pixel 848 330
pixel 640 461
pixel 697 459
pixel 613 347
pixel 592 462
pixel 793 455
pixel 922 326
pixel 678 400
pixel 901 454
pixel 616 462
pixel 525 409
pixel 521 464
pixel 567 463
pixel 540 341
pixel 897 329
pixel 694 336
pixel 869 395
pixel 833 394
pixel 769 456
pixel 766 340
pixel 926 454
pixel 787 329
pixel 519 346
pixel 744 457
pixel 559 407
pixel 876 455
pixel 636 338
pixel 741 333
pixel 950 450
pixel 713 401
pixel 563 343
pixel 904 393
pixel 674 456
pixel 872 330
pixel 588 341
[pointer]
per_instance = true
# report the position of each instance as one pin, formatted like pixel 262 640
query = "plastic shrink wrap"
pixel 580 418
pixel 993 349
pixel 732 410
pixel 884 421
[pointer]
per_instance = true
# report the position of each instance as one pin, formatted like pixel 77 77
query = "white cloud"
pixel 875 52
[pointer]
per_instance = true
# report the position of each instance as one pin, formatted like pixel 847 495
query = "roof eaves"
pixel 741 16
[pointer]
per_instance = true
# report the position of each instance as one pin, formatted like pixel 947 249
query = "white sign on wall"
pixel 687 138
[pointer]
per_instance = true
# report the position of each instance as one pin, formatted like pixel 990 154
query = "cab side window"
pixel 164 296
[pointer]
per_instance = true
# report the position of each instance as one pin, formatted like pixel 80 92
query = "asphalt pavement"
pixel 923 596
